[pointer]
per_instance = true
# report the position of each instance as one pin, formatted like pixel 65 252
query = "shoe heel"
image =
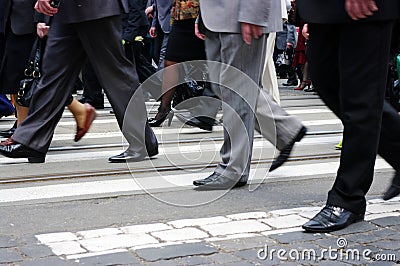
pixel 170 116
pixel 36 159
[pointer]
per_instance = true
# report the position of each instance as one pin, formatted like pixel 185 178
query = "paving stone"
pixel 360 227
pixel 99 232
pixel 186 233
pixel 56 237
pixel 396 227
pixel 117 241
pixel 197 222
pixel 387 244
pixel 66 248
pixel 330 242
pixel 249 255
pixel 248 215
pixel 223 258
pixel 36 251
pixel 121 258
pixel 239 263
pixel 382 208
pixel 385 232
pixel 145 228
pixel 243 244
pixel 299 211
pixel 331 263
pixel 394 237
pixel 162 263
pixel 235 227
pixel 305 250
pixel 193 260
pixel 176 251
pixel 388 221
pixel 8 255
pixel 287 238
pixel 363 238
pixel 51 261
pixel 235 236
pixel 370 217
pixel 285 221
pixel 8 242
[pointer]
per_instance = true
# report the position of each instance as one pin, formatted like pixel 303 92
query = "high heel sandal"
pixel 153 122
pixel 303 84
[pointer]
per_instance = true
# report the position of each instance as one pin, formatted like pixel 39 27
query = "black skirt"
pixel 15 60
pixel 183 45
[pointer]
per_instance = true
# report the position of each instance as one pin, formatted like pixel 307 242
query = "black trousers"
pixel 66 50
pixel 349 65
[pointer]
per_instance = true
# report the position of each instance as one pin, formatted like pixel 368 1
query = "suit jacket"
pixel 20 14
pixel 226 15
pixel 73 11
pixel 135 20
pixel 333 11
pixel 162 14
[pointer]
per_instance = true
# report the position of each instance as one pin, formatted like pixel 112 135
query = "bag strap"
pixel 33 67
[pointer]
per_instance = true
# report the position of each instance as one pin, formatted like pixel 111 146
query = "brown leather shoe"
pixel 90 117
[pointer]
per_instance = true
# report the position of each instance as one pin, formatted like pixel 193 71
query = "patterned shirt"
pixel 184 9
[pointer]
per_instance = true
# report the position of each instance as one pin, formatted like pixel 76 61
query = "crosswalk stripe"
pixel 159 181
pixel 179 149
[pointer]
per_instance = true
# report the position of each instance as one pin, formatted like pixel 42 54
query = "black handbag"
pixel 195 82
pixel 28 85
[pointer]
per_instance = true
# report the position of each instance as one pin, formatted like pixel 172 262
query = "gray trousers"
pixel 68 45
pixel 245 105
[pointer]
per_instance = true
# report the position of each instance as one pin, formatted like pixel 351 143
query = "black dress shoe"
pixel 204 123
pixel 285 152
pixel 131 156
pixel 9 132
pixel 331 218
pixel 394 189
pixel 290 83
pixel 217 182
pixel 17 150
pixel 392 192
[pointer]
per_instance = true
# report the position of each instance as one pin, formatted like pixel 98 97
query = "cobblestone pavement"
pixel 253 238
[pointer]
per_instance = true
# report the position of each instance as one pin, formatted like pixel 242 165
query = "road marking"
pixel 160 181
pixel 259 144
pixel 246 225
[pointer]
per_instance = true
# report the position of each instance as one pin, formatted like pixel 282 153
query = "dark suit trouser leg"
pixel 351 79
pixel 62 62
pixel 92 91
pixel 118 77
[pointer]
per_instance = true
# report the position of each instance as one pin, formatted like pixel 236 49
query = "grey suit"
pixel 89 28
pixel 244 104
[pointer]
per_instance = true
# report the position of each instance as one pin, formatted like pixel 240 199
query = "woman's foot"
pixel 303 84
pixel 160 117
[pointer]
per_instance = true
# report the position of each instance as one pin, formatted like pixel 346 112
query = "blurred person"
pixel 135 27
pixel 183 45
pixel 348 72
pixel 20 33
pixel 6 107
pixel 269 78
pixel 236 34
pixel 160 28
pixel 77 31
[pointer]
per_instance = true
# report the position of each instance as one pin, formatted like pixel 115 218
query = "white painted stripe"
pixel 307 111
pixel 107 242
pixel 216 128
pixel 164 150
pixel 159 182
